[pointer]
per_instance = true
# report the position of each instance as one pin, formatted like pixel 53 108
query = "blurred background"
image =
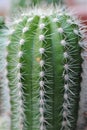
pixel 7 7
pixel 78 6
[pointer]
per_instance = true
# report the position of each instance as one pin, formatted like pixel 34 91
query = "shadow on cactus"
pixel 43 70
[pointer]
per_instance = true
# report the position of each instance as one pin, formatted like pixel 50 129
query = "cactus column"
pixel 44 67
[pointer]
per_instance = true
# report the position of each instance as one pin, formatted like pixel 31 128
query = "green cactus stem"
pixel 44 67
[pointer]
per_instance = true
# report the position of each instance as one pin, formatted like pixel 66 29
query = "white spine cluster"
pixel 30 19
pixel 63 43
pixel 69 21
pixel 17 21
pixel 65 55
pixel 25 29
pixel 55 20
pixel 75 31
pixel 42 16
pixel 21 41
pixel 60 30
pixel 41 37
pixel 42 26
pixel 11 31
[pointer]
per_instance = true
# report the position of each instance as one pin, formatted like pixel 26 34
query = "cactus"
pixel 82 120
pixel 35 2
pixel 26 3
pixel 4 95
pixel 43 67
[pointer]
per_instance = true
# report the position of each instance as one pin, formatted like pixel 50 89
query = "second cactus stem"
pixel 44 67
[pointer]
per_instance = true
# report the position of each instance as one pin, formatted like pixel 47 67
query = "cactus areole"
pixel 43 71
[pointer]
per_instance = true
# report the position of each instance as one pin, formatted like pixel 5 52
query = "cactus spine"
pixel 44 67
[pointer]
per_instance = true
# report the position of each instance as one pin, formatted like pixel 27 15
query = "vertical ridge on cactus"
pixel 44 67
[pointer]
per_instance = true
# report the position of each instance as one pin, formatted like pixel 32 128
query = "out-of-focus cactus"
pixel 35 2
pixel 25 3
pixel 21 3
pixel 4 89
pixel 82 120
pixel 42 68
